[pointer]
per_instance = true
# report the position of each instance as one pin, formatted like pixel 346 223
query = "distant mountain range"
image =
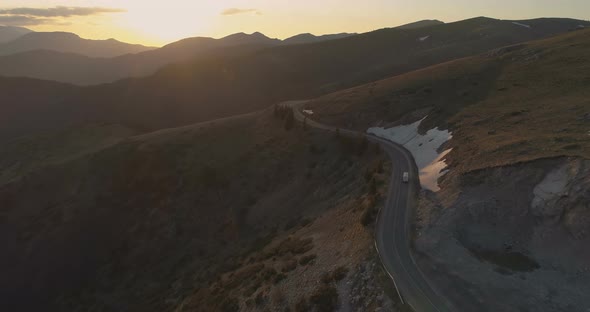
pixel 234 80
pixel 67 58
pixel 9 33
pixel 69 43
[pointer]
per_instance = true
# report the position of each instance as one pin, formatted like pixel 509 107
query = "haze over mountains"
pixel 242 82
pixel 71 43
pixel 67 58
pixel 9 33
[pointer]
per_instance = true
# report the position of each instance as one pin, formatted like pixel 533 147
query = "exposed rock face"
pixel 564 196
pixel 549 192
pixel 519 233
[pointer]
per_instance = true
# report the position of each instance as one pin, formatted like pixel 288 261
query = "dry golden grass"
pixel 511 105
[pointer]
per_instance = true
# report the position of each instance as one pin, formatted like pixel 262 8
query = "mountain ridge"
pixel 70 43
pixel 81 69
pixel 252 79
pixel 9 33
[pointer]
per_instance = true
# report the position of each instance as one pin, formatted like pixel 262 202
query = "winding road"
pixel 392 233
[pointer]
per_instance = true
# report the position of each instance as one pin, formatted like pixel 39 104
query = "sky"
pixel 156 23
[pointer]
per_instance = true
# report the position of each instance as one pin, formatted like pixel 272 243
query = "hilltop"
pixel 420 24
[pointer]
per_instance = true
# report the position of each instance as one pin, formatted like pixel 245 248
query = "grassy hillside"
pixel 141 224
pixel 219 85
pixel 511 218
pixel 510 105
pixel 30 106
pixel 29 153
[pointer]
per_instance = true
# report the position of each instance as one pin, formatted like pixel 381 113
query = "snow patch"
pixel 521 24
pixel 423 38
pixel 424 148
pixel 549 191
pixel 308 111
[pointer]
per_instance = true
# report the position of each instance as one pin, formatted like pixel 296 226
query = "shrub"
pixel 368 175
pixel 363 146
pixel 368 216
pixel 268 273
pixel 294 246
pixel 340 273
pixel 289 119
pixel 373 186
pixel 230 305
pixel 259 300
pixel 325 298
pixel 305 260
pixel 380 166
pixel 289 266
pixel 302 305
pixel 279 277
pixel 278 296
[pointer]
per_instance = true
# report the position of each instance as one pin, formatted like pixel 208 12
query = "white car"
pixel 406 177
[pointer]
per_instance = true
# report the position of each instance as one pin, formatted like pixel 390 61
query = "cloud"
pixel 235 11
pixel 59 11
pixel 21 20
pixel 44 16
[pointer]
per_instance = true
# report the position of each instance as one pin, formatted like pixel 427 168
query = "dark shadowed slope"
pixel 69 43
pixel 92 214
pixel 28 106
pixel 9 33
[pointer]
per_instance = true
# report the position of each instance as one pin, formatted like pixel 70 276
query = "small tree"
pixel 325 298
pixel 373 186
pixel 289 119
pixel 380 166
pixel 377 148
pixel 363 146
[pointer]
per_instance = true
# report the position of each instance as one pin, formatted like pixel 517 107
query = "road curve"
pixel 392 233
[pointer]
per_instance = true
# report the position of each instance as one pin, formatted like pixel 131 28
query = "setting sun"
pixel 163 23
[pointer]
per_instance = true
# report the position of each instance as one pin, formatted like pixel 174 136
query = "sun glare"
pixel 164 23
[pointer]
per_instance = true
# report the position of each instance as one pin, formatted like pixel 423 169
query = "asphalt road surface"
pixel 392 234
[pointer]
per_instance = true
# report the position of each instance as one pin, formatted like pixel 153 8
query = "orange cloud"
pixel 235 11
